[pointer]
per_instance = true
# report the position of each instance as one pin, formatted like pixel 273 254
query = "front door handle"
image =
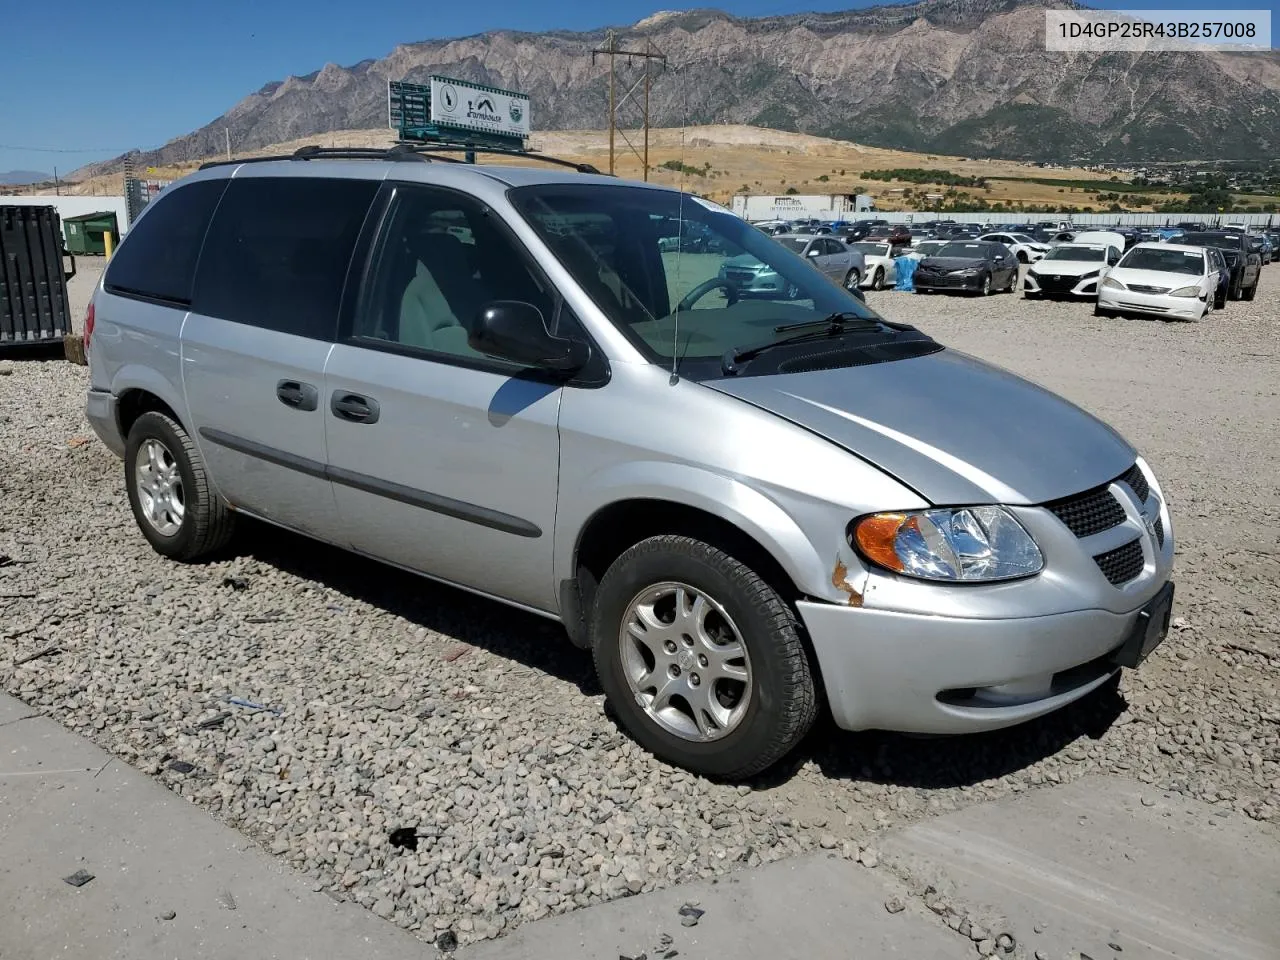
pixel 296 394
pixel 354 407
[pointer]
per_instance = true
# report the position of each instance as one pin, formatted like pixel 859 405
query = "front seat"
pixel 439 296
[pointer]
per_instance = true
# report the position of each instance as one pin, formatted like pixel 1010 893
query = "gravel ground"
pixel 395 703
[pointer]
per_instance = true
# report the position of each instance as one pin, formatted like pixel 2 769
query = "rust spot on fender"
pixel 840 580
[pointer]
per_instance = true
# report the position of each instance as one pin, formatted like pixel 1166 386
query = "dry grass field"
pixel 737 157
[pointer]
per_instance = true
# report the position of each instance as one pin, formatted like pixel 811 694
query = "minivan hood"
pixel 953 428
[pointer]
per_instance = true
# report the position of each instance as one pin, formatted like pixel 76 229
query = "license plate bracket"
pixel 1149 630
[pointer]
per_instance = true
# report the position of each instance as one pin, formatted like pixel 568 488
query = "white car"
pixel 881 270
pixel 1026 249
pixel 924 248
pixel 1160 279
pixel 1070 269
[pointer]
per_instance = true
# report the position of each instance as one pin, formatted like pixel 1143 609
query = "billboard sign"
pixel 470 106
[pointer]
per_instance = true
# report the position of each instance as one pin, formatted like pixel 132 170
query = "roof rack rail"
pixel 427 148
pixel 421 152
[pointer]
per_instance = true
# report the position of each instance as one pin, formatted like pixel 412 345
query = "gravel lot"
pixel 396 703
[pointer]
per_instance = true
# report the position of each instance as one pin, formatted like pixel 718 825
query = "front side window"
pixel 676 304
pixel 1169 261
pixel 441 258
pixel 278 251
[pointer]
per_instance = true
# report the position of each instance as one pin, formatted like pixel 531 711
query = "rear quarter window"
pixel 278 250
pixel 157 260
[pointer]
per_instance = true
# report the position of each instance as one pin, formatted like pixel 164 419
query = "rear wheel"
pixel 701 659
pixel 173 502
pixel 852 279
pixel 1252 292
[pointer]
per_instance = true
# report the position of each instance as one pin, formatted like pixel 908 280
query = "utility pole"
pixel 646 56
pixel 227 132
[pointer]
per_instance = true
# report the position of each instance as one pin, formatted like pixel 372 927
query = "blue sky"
pixel 84 79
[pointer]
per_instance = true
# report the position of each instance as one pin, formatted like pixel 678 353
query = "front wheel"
pixel 1252 291
pixel 1099 312
pixel 852 279
pixel 877 279
pixel 986 286
pixel 701 659
pixel 173 502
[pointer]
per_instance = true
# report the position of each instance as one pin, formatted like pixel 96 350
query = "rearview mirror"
pixel 514 330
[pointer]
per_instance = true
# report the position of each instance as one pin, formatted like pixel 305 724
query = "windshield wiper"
pixel 831 326
pixel 836 322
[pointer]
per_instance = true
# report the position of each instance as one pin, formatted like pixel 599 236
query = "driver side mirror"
pixel 514 330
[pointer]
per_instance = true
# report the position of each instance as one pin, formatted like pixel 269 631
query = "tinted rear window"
pixel 278 251
pixel 158 258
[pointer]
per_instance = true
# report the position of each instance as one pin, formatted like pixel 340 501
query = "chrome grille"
pixel 1122 564
pixel 1137 483
pixel 1143 288
pixel 1088 513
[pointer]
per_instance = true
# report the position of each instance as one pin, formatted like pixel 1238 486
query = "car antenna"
pixel 675 328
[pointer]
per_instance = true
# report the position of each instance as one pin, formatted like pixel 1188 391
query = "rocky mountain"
pixel 968 77
pixel 14 178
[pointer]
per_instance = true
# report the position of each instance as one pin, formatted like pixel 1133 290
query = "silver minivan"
pixel 745 506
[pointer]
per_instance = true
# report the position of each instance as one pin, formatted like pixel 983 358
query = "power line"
pixel 12 146
pixel 646 57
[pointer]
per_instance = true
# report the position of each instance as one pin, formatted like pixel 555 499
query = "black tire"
pixel 877 279
pixel 1022 256
pixel 1236 291
pixel 1029 295
pixel 1252 292
pixel 1220 300
pixel 207 524
pixel 1099 312
pixel 852 279
pixel 783 703
pixel 985 289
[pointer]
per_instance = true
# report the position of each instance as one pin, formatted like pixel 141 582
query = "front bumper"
pixel 1155 304
pixel 947 284
pixel 962 658
pixel 1051 285
pixel 886 670
pixel 100 408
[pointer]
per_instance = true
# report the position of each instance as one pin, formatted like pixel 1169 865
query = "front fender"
pixel 729 499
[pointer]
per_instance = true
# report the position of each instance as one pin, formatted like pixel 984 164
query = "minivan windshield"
pixel 679 301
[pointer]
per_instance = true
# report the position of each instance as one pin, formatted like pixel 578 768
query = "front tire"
pixel 877 279
pixel 173 502
pixel 1252 291
pixel 701 659
pixel 986 286
pixel 1099 312
pixel 852 279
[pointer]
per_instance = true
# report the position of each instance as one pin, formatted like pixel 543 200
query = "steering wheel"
pixel 705 287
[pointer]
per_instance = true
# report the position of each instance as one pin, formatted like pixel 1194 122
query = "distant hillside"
pixel 961 77
pixel 15 178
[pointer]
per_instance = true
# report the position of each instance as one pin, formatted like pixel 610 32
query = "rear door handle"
pixel 353 407
pixel 296 394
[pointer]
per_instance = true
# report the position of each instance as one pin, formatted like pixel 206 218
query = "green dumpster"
pixel 86 233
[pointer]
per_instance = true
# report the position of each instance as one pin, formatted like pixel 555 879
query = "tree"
pixel 792 191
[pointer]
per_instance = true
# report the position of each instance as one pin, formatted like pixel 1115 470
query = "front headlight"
pixel 970 544
pixel 1089 276
pixel 970 272
pixel 1185 292
pixel 1114 284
